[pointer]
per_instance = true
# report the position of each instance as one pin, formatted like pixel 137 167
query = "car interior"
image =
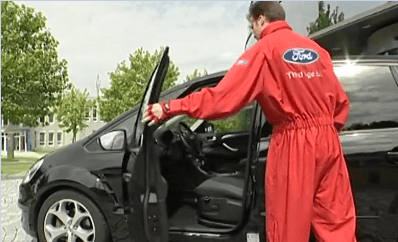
pixel 204 163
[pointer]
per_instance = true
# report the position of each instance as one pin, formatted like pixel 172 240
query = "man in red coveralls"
pixel 307 182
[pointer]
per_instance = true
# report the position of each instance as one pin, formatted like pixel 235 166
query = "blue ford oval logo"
pixel 300 56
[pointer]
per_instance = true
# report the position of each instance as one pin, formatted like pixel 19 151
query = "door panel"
pixel 370 140
pixel 146 188
pixel 374 177
pixel 232 146
pixel 254 164
pixel 236 143
pixel 228 143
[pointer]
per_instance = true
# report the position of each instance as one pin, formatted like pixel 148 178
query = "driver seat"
pixel 220 200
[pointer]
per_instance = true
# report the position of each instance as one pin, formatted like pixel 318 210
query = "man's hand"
pixel 156 113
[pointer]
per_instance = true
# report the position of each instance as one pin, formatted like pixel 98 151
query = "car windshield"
pixel 147 95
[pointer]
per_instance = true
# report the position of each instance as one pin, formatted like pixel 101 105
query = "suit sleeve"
pixel 239 87
pixel 342 107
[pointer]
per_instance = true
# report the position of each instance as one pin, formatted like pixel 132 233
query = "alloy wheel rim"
pixel 68 220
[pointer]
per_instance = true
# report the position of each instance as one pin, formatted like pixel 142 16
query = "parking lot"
pixel 11 230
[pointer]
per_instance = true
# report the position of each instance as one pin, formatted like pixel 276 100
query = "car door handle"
pixel 393 155
pixel 229 147
pixel 214 138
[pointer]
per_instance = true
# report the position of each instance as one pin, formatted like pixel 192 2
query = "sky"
pixel 95 36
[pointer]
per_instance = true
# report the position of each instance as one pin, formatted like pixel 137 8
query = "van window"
pixel 373 95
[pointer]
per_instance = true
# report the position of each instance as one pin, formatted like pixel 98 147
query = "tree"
pixel 71 111
pixel 32 77
pixel 195 75
pixel 325 19
pixel 128 83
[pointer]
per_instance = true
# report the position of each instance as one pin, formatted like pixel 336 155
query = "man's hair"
pixel 272 10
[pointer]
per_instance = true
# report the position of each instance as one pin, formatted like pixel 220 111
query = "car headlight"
pixel 32 171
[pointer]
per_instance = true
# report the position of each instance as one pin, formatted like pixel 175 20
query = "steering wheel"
pixel 190 140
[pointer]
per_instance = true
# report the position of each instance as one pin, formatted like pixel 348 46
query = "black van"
pixel 197 180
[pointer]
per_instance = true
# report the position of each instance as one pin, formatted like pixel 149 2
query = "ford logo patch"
pixel 300 56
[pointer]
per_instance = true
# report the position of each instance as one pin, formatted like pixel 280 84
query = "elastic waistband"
pixel 302 123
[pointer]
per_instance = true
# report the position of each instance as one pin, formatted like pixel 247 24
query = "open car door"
pixel 144 188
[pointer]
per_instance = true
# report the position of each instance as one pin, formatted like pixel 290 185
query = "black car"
pixel 197 180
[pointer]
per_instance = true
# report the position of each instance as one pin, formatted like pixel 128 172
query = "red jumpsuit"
pixel 307 182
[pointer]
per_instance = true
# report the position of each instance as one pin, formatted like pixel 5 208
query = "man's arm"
pixel 342 107
pixel 240 86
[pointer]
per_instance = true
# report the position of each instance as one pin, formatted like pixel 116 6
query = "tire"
pixel 58 216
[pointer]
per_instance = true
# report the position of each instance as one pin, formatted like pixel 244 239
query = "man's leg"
pixel 289 185
pixel 334 210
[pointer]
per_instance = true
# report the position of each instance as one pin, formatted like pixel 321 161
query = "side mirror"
pixel 114 140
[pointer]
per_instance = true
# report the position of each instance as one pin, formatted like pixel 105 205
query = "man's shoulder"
pixel 254 49
pixel 289 39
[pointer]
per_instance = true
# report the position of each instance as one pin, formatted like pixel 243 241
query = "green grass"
pixel 16 165
pixel 15 169
pixel 6 160
pixel 17 160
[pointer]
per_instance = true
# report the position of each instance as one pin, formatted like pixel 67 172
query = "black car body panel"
pixel 110 178
pixel 74 168
pixel 370 143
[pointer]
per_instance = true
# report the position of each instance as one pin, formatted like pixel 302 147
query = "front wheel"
pixel 70 216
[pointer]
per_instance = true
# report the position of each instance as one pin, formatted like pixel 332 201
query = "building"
pixel 52 136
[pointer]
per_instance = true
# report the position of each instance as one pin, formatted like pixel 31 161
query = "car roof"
pixel 188 86
pixel 366 59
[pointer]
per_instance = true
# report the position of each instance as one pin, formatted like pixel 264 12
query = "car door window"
pixel 373 96
pixel 237 123
pixel 126 124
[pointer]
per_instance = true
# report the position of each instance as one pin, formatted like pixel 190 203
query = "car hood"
pixel 65 155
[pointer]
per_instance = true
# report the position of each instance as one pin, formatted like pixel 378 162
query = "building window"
pixel 95 113
pixel 59 138
pixel 87 114
pixel 51 138
pixel 3 141
pixel 17 142
pixel 42 138
pixel 51 119
pixel 41 120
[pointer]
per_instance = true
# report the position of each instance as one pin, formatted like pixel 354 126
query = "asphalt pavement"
pixel 11 229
